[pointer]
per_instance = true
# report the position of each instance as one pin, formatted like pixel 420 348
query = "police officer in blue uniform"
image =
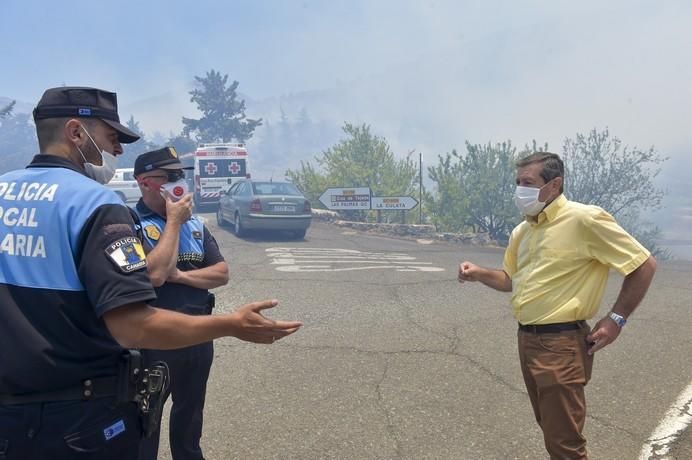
pixel 184 262
pixel 74 293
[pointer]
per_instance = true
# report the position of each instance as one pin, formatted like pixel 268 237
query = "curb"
pixel 407 230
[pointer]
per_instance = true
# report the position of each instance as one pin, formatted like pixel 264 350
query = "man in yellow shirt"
pixel 556 266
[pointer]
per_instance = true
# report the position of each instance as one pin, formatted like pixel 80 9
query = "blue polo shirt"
pixel 197 249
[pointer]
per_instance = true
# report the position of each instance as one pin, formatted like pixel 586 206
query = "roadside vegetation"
pixel 469 190
pixel 473 189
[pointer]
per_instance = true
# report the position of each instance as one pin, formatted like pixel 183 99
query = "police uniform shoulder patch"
pixel 197 235
pixel 152 232
pixel 127 253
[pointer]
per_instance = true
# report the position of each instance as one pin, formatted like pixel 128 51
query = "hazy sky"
pixel 425 74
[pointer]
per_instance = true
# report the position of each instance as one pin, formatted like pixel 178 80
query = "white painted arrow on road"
pixel 339 260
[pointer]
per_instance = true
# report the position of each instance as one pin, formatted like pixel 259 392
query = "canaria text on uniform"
pixel 23 242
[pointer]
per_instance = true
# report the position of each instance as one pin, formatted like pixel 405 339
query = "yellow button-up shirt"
pixel 559 262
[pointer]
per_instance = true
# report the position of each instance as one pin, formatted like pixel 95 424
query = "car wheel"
pixel 300 234
pixel 239 230
pixel 219 218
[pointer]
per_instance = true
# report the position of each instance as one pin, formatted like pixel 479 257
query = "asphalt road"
pixel 402 362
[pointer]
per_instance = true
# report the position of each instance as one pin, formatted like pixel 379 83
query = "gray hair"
pixel 552 165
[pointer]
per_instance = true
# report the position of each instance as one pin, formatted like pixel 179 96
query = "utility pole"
pixel 420 188
pixel 420 183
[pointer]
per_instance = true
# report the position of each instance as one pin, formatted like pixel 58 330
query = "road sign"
pixel 346 198
pixel 384 203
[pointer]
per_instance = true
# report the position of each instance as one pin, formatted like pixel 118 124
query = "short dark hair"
pixel 552 165
pixel 49 130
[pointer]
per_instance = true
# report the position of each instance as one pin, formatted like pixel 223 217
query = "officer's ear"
pixel 74 132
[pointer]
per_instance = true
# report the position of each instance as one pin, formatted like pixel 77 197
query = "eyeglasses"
pixel 171 176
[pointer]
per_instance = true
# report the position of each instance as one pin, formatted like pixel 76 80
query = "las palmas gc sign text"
pixel 346 198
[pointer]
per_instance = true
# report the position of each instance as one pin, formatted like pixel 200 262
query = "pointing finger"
pixel 594 347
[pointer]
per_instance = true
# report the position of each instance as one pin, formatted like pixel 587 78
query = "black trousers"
pixel 98 429
pixel 189 370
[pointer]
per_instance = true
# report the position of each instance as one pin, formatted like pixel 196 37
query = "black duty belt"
pixel 552 328
pixel 89 389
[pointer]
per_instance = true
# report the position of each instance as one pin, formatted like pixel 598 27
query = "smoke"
pixel 424 74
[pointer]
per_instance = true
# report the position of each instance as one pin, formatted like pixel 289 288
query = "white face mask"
pixel 104 173
pixel 526 199
pixel 175 190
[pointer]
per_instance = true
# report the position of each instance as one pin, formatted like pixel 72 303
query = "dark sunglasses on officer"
pixel 171 176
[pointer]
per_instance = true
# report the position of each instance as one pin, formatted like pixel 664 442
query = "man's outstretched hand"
pixel 250 325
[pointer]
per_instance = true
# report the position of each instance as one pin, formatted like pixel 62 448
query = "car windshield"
pixel 274 188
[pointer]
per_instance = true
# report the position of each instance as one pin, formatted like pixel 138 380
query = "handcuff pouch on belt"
pixel 211 303
pixel 144 384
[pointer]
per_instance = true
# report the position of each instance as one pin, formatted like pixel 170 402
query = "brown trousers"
pixel 556 369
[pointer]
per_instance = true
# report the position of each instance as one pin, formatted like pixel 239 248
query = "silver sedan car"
pixel 255 205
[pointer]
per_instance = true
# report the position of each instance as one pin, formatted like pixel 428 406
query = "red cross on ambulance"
pixel 234 167
pixel 211 168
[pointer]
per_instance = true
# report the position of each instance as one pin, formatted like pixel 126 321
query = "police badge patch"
pixel 152 232
pixel 128 254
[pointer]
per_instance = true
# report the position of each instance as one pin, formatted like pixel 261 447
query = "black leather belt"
pixel 90 388
pixel 552 328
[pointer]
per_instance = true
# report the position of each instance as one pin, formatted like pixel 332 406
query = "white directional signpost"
pixel 359 198
pixel 393 203
pixel 385 203
pixel 346 199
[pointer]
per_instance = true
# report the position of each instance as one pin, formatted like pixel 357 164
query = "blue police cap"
pixel 165 158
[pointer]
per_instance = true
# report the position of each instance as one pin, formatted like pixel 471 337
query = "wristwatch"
pixel 619 319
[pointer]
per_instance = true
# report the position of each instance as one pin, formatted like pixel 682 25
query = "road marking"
pixel 674 422
pixel 336 260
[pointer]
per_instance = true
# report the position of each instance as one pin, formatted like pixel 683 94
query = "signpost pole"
pixel 420 188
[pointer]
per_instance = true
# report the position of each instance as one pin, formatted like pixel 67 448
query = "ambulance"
pixel 217 167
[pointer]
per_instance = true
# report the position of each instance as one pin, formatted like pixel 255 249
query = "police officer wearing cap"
pixel 74 293
pixel 184 262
